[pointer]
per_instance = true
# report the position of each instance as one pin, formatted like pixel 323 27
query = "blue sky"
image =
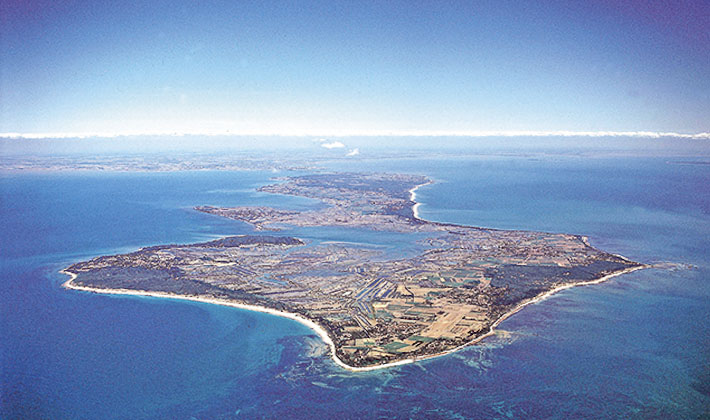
pixel 354 66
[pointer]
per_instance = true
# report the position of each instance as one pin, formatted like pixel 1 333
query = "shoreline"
pixel 321 332
pixel 413 199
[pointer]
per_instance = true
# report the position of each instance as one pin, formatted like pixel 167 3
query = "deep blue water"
pixel 637 346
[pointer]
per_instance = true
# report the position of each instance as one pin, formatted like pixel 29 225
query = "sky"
pixel 355 67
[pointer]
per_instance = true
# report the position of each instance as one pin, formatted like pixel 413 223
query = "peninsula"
pixel 374 309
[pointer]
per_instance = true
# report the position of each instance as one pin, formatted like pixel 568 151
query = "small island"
pixel 373 309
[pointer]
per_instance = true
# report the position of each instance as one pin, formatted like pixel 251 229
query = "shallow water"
pixel 636 346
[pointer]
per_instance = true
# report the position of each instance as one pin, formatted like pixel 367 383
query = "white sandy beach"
pixel 296 317
pixel 307 322
pixel 413 199
pixel 322 333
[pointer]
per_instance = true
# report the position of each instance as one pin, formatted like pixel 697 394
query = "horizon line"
pixel 374 133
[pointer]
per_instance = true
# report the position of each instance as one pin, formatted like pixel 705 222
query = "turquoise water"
pixel 634 347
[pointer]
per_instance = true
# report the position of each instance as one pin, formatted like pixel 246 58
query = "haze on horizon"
pixel 353 67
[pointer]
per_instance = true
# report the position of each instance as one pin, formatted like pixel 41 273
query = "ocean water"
pixel 637 346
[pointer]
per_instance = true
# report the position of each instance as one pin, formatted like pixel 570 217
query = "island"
pixel 374 308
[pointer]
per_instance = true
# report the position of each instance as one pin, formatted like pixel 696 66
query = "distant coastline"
pixel 413 199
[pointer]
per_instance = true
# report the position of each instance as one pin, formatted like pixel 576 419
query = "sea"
pixel 636 346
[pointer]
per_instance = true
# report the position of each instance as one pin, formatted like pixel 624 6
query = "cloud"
pixel 353 152
pixel 336 144
pixel 333 145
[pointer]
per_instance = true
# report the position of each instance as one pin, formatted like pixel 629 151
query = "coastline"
pixel 413 199
pixel 321 332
